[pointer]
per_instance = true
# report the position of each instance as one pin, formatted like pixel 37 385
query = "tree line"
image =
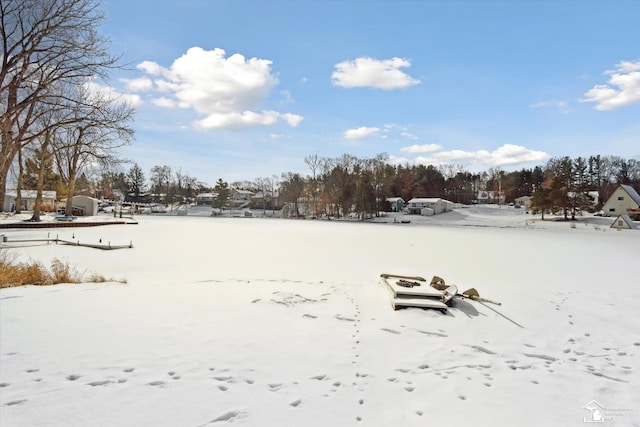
pixel 359 186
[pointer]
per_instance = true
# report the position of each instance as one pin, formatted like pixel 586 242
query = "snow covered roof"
pixel 425 200
pixel 394 199
pixel 632 193
pixel 31 194
pixel 626 219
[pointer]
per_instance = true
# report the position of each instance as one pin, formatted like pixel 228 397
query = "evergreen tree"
pixel 223 192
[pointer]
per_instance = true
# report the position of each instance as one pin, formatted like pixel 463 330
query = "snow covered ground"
pixel 268 322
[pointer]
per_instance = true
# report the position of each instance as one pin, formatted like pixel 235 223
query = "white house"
pixel 485 196
pixel 240 198
pixel 624 222
pixel 28 199
pixel 205 198
pixel 623 199
pixel 524 201
pixel 438 205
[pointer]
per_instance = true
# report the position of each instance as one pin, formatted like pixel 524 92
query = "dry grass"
pixel 14 273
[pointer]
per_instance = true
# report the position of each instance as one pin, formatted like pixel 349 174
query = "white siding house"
pixel 437 205
pixel 622 200
pixel 28 199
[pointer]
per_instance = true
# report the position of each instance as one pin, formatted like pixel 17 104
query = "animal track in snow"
pixel 16 402
pixel 157 383
pixel 99 383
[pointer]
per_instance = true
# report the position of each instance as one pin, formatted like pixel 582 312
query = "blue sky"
pixel 245 89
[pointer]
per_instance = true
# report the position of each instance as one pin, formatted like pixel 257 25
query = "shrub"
pixel 14 273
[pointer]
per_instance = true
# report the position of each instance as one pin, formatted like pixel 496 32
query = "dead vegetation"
pixel 16 273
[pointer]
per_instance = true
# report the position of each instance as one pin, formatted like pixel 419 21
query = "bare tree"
pixel 43 42
pixel 96 127
pixel 315 163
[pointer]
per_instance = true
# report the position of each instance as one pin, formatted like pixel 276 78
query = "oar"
pixel 386 276
pixel 474 295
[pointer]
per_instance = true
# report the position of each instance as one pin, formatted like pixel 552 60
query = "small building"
pixel 438 205
pixel 397 204
pixel 28 199
pixel 623 199
pixel 624 222
pixel 89 205
pixel 488 197
pixel 205 199
pixel 240 198
pixel 427 212
pixel 523 201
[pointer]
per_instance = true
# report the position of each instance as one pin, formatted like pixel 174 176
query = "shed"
pixel 624 222
pixel 88 204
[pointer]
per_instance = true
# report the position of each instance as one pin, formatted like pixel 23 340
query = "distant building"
pixel 437 205
pixel 28 199
pixel 205 198
pixel 397 204
pixel 240 198
pixel 485 196
pixel 624 199
pixel 624 222
pixel 524 201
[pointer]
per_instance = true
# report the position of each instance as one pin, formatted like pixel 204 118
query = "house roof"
pixel 425 200
pixel 394 199
pixel 31 194
pixel 632 193
pixel 627 220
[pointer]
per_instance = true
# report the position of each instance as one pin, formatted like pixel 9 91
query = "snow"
pixel 270 322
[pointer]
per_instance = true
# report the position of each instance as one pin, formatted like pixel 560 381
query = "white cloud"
pixel 137 85
pixel 623 88
pixel 292 119
pixel 395 160
pixel 370 72
pixel 409 135
pixel 426 148
pixel 361 132
pixel 226 91
pixel 150 67
pixel 164 102
pixel 563 106
pixel 508 154
pixel 109 93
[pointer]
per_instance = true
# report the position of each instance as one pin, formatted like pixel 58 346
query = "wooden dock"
pixel 60 224
pixel 106 247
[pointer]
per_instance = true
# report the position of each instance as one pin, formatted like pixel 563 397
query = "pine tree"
pixel 223 194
